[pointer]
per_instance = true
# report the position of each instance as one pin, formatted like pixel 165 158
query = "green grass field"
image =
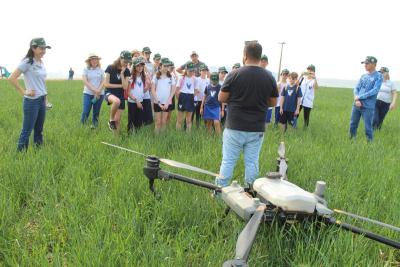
pixel 76 202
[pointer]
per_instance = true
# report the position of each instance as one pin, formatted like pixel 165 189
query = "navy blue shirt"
pixel 115 78
pixel 211 92
pixel 291 94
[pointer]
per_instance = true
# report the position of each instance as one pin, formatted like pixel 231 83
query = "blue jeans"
pixel 368 115
pixel 233 143
pixel 87 106
pixel 34 115
pixel 381 109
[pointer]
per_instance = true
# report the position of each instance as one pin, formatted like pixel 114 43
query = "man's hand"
pixel 281 110
pixel 392 106
pixel 139 105
pixel 297 112
pixel 358 103
pixel 28 92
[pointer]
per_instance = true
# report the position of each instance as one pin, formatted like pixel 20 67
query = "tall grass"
pixel 76 202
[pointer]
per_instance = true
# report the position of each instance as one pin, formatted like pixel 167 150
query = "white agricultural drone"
pixel 271 198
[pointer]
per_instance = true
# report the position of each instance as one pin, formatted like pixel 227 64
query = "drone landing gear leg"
pixel 152 189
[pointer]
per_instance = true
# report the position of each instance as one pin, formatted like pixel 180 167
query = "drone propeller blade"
pixel 368 220
pixel 181 165
pixel 169 162
pixel 248 235
pixel 123 148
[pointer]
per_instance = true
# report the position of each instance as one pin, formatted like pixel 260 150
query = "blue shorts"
pixel 211 113
pixel 186 102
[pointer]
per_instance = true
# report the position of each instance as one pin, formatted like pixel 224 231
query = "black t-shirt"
pixel 115 78
pixel 249 88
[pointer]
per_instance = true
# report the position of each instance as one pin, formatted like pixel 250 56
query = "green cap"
pixel 39 42
pixel 138 60
pixel 157 56
pixel 311 67
pixel 236 66
pixel 285 71
pixel 384 69
pixel 165 61
pixel 370 60
pixel 214 77
pixel 190 66
pixel 146 49
pixel 222 69
pixel 264 57
pixel 126 55
pixel 203 67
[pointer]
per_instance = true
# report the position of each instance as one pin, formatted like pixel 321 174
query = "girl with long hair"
pixel 34 93
pixel 137 84
pixel 93 92
pixel 163 90
pixel 116 81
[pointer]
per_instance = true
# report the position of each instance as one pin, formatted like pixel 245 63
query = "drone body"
pixel 270 198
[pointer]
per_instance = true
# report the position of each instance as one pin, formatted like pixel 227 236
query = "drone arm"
pixel 370 235
pixel 168 175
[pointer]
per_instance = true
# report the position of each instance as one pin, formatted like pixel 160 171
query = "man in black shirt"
pixel 248 91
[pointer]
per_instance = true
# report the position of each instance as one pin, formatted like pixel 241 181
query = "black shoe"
pixel 112 126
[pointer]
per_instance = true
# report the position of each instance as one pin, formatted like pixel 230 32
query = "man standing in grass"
pixel 365 97
pixel 248 91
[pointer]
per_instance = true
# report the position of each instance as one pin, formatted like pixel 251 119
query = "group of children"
pixel 295 94
pixel 154 87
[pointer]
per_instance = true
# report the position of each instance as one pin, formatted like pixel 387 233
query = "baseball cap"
pixel 203 67
pixel 165 61
pixel 222 69
pixel 146 49
pixel 190 66
pixel 264 57
pixel 370 60
pixel 126 55
pixel 384 69
pixel 137 61
pixel 236 65
pixel 39 42
pixel 194 53
pixel 285 71
pixel 311 67
pixel 157 56
pixel 214 77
